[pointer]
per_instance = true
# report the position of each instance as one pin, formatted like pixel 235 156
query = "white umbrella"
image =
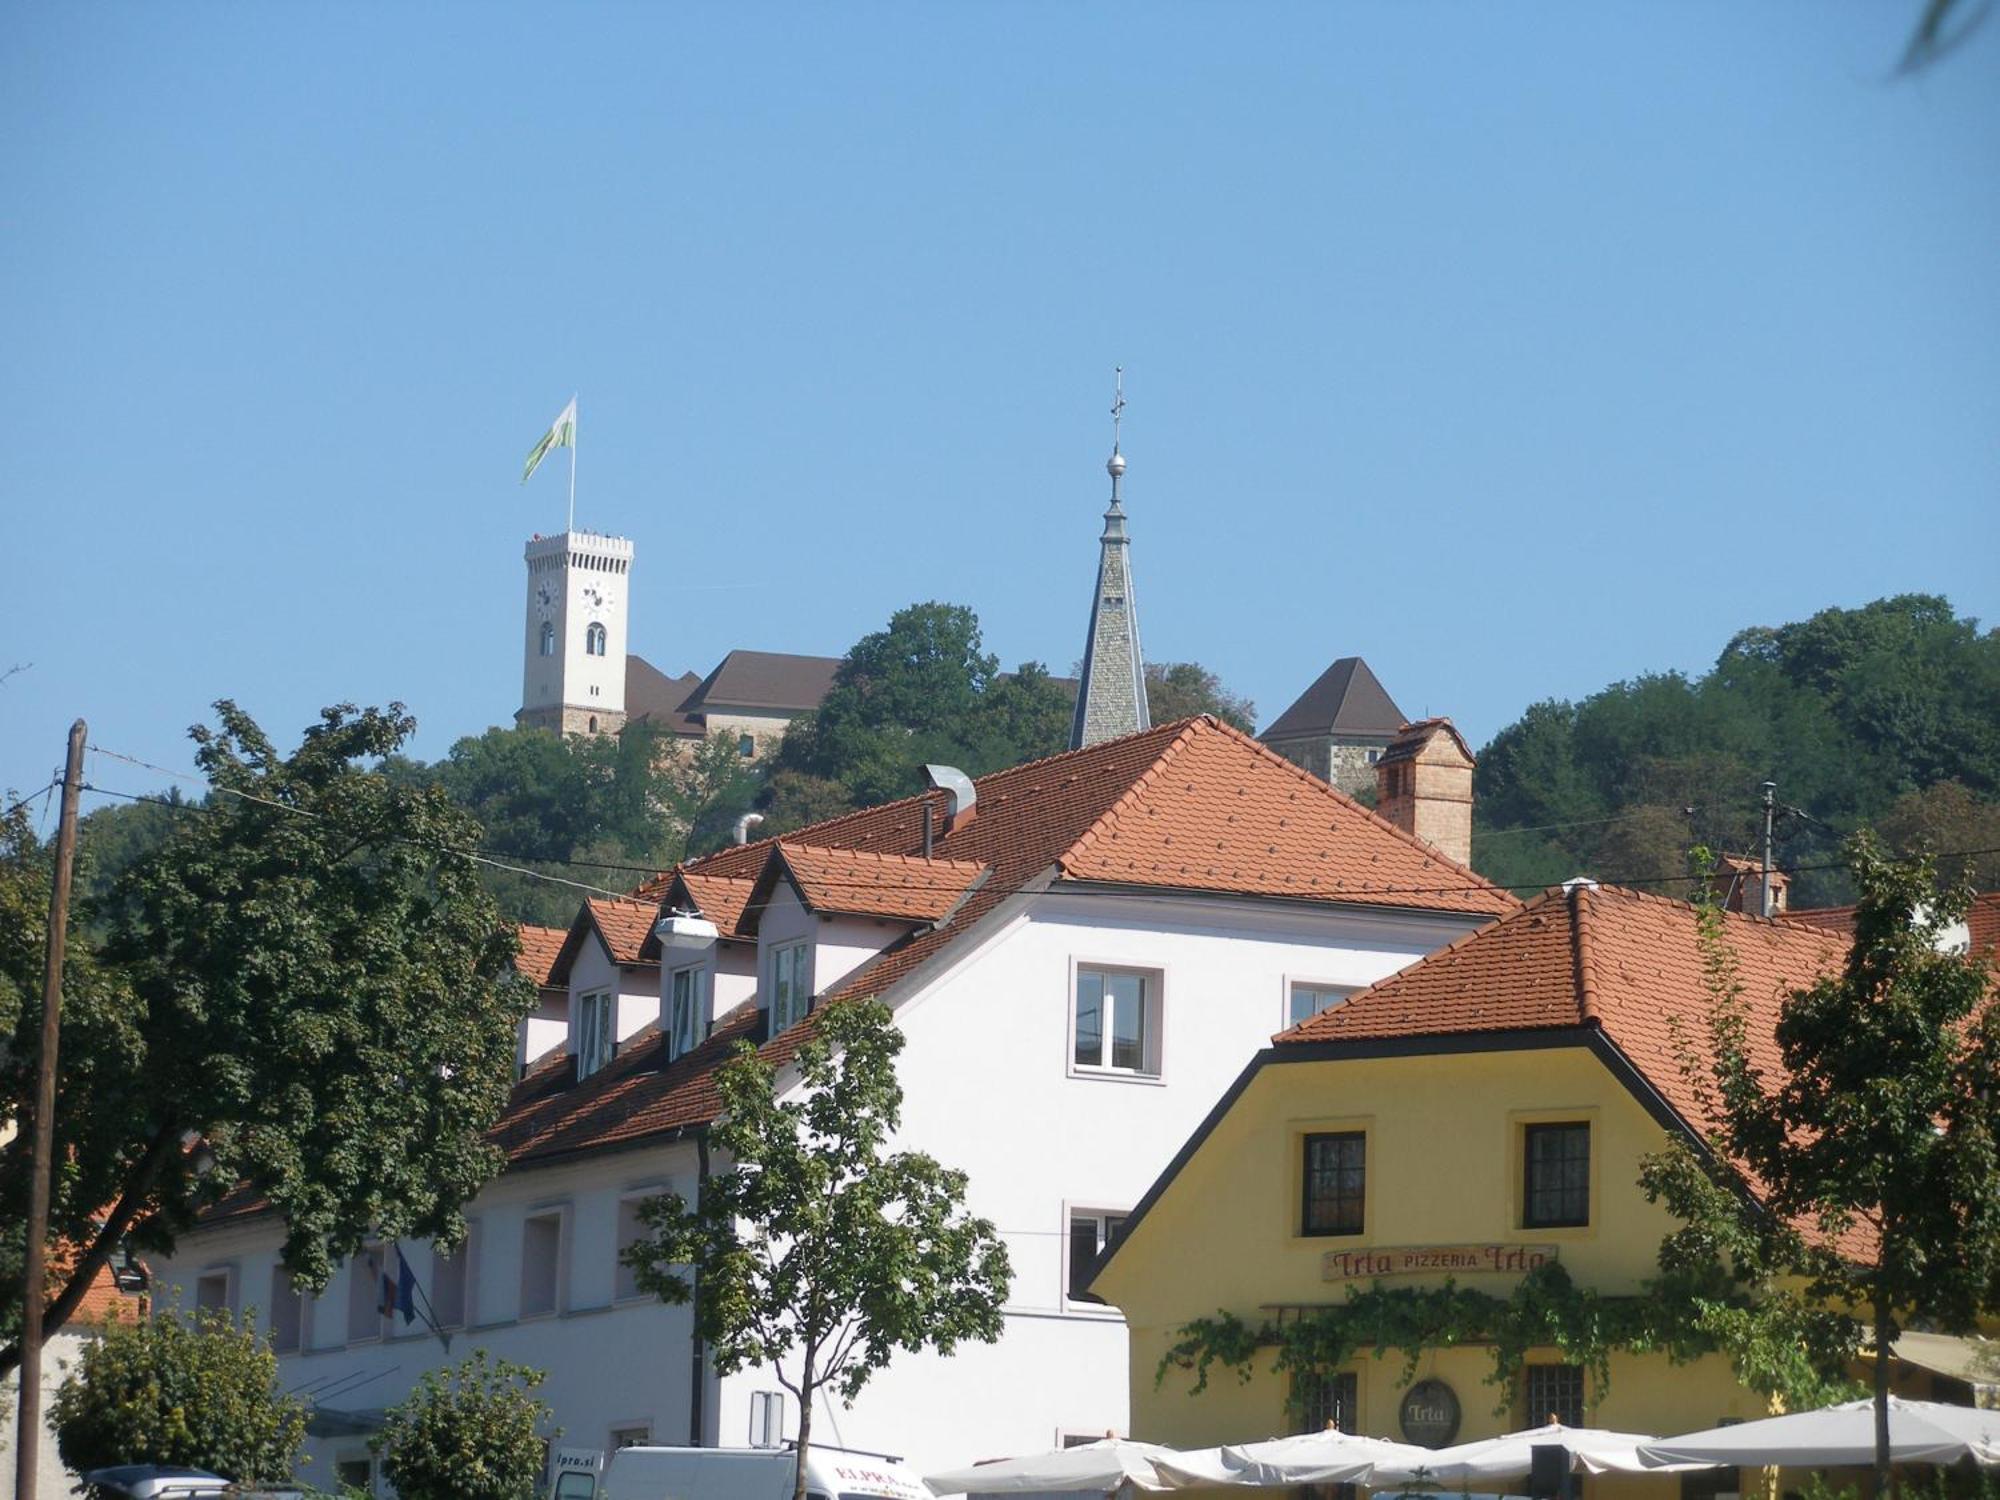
pixel 1920 1432
pixel 1512 1454
pixel 1329 1457
pixel 1100 1468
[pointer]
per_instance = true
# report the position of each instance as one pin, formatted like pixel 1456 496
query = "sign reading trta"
pixel 1421 1260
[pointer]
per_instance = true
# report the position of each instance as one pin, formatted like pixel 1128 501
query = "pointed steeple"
pixel 1111 694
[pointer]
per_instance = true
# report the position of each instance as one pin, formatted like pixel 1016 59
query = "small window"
pixel 790 985
pixel 1322 1401
pixel 596 1032
pixel 1090 1235
pixel 1373 756
pixel 1336 1183
pixel 593 723
pixel 1117 1021
pixel 356 1474
pixel 541 1263
pixel 1308 1000
pixel 630 1231
pixel 287 1312
pixel 635 1436
pixel 364 1296
pixel 685 1018
pixel 450 1281
pixel 593 641
pixel 1556 1193
pixel 746 746
pixel 548 639
pixel 1554 1393
pixel 214 1291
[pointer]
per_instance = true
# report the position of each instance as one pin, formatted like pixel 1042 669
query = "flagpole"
pixel 572 467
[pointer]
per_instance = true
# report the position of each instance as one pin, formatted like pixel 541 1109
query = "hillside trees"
pixel 306 979
pixel 1847 711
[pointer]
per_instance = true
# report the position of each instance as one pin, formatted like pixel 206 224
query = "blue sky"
pixel 1515 348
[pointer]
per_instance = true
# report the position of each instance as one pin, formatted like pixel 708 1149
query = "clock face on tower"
pixel 545 599
pixel 596 599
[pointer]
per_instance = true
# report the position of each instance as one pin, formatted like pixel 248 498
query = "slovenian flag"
pixel 399 1292
pixel 561 434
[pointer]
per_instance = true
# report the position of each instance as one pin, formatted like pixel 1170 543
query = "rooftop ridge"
pixel 1184 732
pixel 1584 959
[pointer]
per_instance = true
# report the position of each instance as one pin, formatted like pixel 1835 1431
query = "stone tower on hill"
pixel 1339 727
pixel 1111 688
pixel 573 658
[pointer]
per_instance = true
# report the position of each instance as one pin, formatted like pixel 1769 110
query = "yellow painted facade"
pixel 1444 1167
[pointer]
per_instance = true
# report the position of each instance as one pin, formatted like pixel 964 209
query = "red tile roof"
pixel 624 926
pixel 539 947
pixel 720 898
pixel 1983 922
pixel 866 883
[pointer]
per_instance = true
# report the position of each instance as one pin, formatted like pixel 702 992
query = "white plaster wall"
pixel 544 1029
pixel 609 1363
pixel 840 944
pixel 637 985
pixel 60 1354
pixel 734 979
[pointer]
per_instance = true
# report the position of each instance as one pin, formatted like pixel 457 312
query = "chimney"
pixel 1423 784
pixel 961 799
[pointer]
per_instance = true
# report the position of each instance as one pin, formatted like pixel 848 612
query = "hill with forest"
pixel 1885 716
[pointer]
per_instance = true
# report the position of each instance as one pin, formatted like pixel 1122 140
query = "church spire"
pixel 1111 695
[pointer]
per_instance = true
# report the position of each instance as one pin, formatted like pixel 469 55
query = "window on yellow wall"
pixel 1336 1185
pixel 1554 1393
pixel 1556 1190
pixel 1320 1401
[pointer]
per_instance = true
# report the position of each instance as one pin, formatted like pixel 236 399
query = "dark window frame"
pixel 1359 1200
pixel 1564 1215
pixel 1318 1399
pixel 1571 1399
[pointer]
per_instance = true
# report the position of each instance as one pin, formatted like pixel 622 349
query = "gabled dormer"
pixel 818 914
pixel 708 964
pixel 613 988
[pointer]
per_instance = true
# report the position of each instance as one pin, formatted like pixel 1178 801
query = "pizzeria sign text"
pixel 1431 1260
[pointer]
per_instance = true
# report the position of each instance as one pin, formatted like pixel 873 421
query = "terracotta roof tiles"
pixel 539 947
pixel 866 882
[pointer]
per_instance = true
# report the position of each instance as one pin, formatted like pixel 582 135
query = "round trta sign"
pixel 1429 1414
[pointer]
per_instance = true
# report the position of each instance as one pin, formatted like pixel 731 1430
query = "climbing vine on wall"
pixel 1545 1310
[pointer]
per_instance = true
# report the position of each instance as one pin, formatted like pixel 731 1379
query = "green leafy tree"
pixel 1181 689
pixel 1876 1151
pixel 820 1252
pixel 471 1432
pixel 198 1392
pixel 308 977
pixel 1943 817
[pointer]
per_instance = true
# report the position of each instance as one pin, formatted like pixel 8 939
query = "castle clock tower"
pixel 573 656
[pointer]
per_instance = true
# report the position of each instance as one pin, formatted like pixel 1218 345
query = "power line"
pixel 31 797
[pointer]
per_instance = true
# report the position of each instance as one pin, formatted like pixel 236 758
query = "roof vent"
pixel 1579 883
pixel 741 832
pixel 956 785
pixel 684 931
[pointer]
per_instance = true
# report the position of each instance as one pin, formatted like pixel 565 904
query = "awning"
pixel 327 1421
pixel 1976 1361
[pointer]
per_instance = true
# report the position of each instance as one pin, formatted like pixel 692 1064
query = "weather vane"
pixel 1117 404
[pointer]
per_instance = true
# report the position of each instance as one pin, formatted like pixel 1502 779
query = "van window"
pixel 572 1484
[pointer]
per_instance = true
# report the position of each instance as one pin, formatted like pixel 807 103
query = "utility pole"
pixel 1770 806
pixel 41 1132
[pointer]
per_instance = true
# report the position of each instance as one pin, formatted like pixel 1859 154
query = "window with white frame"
pixel 1117 1021
pixel 686 990
pixel 451 1281
pixel 791 984
pixel 1091 1232
pixel 593 641
pixel 287 1312
pixel 631 1229
pixel 1308 1000
pixel 548 639
pixel 542 1262
pixel 631 1435
pixel 215 1290
pixel 364 1295
pixel 596 1032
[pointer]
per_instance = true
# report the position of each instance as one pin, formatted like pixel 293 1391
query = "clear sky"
pixel 1517 348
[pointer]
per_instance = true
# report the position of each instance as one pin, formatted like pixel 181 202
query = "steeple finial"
pixel 1115 465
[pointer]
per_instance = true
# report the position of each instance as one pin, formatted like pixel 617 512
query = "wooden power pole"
pixel 41 1133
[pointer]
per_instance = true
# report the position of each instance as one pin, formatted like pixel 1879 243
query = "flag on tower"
pixel 561 434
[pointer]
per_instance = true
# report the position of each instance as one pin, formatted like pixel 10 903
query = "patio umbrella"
pixel 1329 1457
pixel 1920 1432
pixel 1105 1467
pixel 1512 1455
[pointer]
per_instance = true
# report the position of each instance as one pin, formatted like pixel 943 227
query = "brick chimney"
pixel 1423 784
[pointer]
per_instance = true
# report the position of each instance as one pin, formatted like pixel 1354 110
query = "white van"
pixel 750 1474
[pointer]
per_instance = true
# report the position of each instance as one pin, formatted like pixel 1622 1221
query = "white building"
pixel 1082 960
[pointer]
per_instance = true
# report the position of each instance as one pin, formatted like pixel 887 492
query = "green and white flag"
pixel 561 434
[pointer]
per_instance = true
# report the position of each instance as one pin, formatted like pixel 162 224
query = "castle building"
pixel 1339 726
pixel 1111 694
pixel 577 676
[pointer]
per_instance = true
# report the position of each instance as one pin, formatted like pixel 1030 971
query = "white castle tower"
pixel 573 653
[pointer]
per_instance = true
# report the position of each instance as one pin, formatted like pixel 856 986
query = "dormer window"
pixel 548 639
pixel 686 990
pixel 593 641
pixel 791 984
pixel 596 1032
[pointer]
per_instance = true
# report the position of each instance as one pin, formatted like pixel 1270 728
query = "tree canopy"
pixel 818 1251
pixel 1849 712
pixel 307 976
pixel 1181 689
pixel 474 1431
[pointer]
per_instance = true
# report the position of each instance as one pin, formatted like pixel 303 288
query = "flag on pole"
pixel 561 434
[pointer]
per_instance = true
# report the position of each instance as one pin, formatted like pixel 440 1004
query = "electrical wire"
pixel 31 797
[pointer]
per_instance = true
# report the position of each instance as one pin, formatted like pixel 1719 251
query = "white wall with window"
pixel 685 1006
pixel 802 953
pixel 608 1003
pixel 1306 998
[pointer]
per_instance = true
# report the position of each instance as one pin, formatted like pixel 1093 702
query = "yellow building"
pixel 1477 1115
